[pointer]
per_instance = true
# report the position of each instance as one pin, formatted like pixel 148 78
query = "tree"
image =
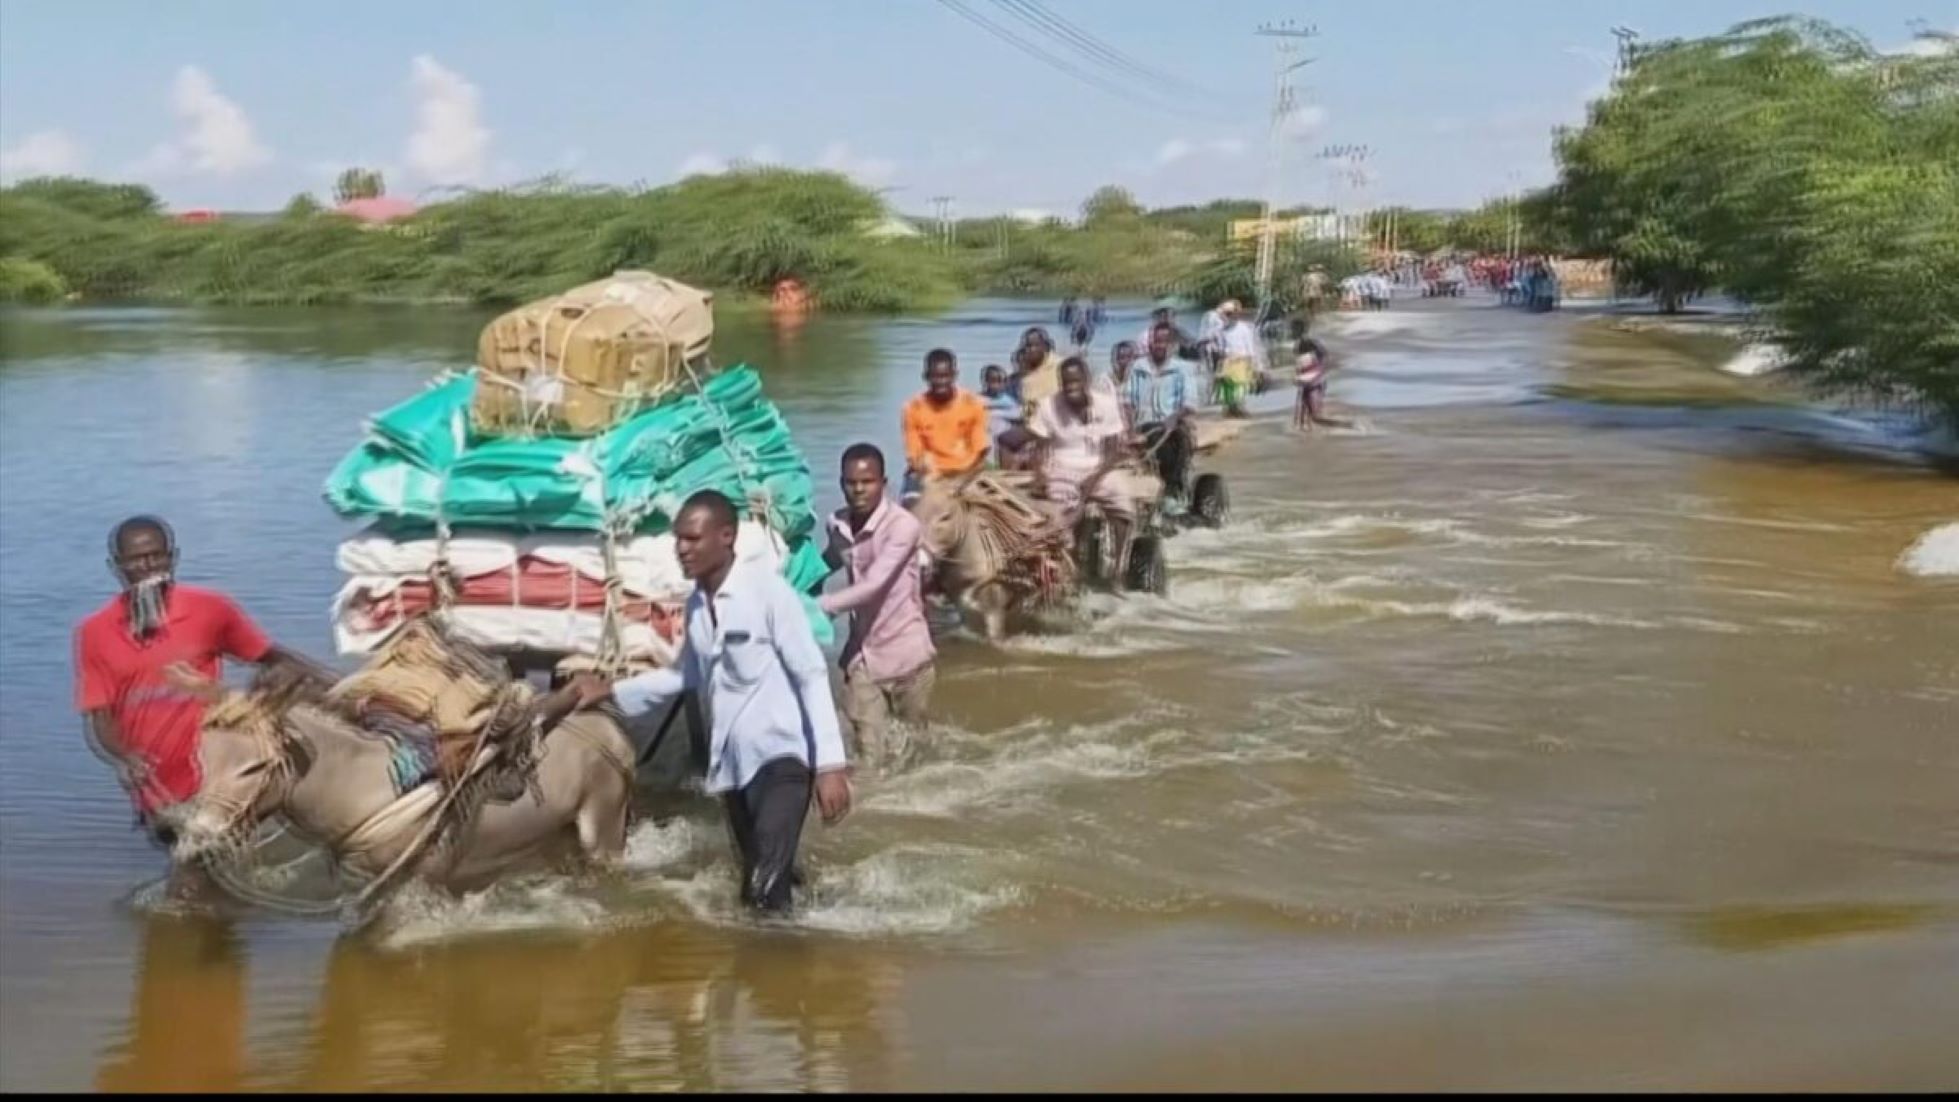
pixel 91 198
pixel 302 205
pixel 1789 163
pixel 358 183
pixel 1110 204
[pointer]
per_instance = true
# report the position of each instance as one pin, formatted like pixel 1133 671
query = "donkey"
pixel 973 550
pixel 331 781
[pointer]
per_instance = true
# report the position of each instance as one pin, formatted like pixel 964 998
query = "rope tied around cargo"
pixel 442 574
pixel 761 503
pixel 611 659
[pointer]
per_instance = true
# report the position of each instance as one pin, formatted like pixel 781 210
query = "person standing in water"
pixel 1081 322
pixel 1243 357
pixel 887 661
pixel 137 662
pixel 774 744
pixel 1311 364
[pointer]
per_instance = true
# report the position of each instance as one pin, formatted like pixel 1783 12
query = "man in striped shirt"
pixel 1158 394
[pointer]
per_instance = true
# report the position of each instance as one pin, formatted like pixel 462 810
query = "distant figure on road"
pixel 1311 364
pixel 1082 322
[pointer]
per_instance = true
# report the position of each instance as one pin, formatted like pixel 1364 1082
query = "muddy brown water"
pixel 1571 723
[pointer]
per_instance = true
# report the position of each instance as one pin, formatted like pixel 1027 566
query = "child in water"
pixel 1310 370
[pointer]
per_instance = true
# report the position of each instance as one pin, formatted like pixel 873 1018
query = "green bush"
pixel 29 281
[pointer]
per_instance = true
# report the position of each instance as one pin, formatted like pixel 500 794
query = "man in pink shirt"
pixel 887 662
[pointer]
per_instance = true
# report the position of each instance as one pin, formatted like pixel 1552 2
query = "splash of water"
pixel 419 915
pixel 1754 360
pixel 1935 554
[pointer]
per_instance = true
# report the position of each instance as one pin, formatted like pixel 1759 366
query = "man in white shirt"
pixel 1210 343
pixel 753 659
pixel 1079 436
pixel 1243 356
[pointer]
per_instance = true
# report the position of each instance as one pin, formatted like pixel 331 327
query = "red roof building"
pixel 376 211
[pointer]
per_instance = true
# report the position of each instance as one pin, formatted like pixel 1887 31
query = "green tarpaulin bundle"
pixel 423 464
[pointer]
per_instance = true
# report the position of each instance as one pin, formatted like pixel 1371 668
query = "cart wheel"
pixel 1147 571
pixel 1210 502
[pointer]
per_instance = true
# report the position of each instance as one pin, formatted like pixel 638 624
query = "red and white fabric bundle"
pixel 541 591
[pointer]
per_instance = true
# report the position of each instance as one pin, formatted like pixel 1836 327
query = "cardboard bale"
pixel 577 363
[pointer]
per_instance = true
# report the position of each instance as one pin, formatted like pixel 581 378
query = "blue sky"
pixel 239 104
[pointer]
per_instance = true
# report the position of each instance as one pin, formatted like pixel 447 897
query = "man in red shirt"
pixel 137 656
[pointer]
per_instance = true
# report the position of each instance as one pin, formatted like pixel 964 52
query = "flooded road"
pixel 1578 721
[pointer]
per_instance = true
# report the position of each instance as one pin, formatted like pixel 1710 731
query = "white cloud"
pixel 703 164
pixel 1031 214
pixel 1601 58
pixel 1303 121
pixel 1177 150
pixel 1174 150
pixel 219 139
pixel 869 171
pixel 42 153
pixel 450 144
pixel 163 159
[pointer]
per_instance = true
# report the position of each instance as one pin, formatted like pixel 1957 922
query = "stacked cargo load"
pixel 530 501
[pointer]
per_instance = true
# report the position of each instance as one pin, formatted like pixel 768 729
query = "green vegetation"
pixel 1792 165
pixel 29 281
pixel 1234 273
pixel 737 233
pixel 358 183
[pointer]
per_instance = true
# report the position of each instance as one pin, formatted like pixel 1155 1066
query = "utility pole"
pixel 1514 232
pixel 944 204
pixel 1628 46
pixel 1288 36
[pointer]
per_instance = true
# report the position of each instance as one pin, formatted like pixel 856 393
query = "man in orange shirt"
pixel 945 427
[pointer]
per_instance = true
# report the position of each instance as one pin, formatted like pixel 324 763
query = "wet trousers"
pixel 766 818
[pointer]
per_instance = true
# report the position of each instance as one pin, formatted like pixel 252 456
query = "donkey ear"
pixel 301 754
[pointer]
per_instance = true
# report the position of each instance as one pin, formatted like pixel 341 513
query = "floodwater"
pixel 1581 720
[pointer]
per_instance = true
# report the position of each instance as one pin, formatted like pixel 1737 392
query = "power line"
pixel 1041 17
pixel 1346 226
pixel 1065 66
